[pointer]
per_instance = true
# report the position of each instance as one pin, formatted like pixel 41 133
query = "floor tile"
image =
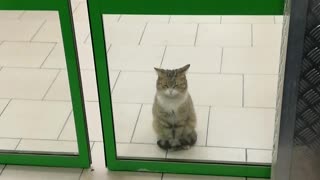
pixel 110 18
pixel 241 127
pixel 257 179
pixel 247 19
pixel 81 13
pixel 135 87
pixel 25 83
pixel 144 132
pixel 8 144
pixel 20 117
pixel 1 168
pixel 278 19
pixel 144 19
pixel 224 35
pixel 198 177
pixel 267 35
pixel 56 58
pixel 123 33
pixel 169 34
pixel 40 16
pixel 60 89
pixel 93 121
pixel 142 151
pixel 194 19
pixel 51 32
pixel 3 104
pixel 222 90
pixel 251 60
pixel 24 54
pixel 48 146
pixel 10 15
pixel 38 173
pixel 89 82
pixel 11 30
pixel 202 59
pixel 260 90
pixel 125 118
pixel 101 172
pixel 210 154
pixel 137 58
pixel 259 156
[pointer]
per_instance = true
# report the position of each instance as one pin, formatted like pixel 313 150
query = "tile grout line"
pixel 208 122
pixel 246 155
pixel 220 19
pixel 3 169
pixel 64 125
pixel 87 39
pixel 144 30
pixel 135 126
pixel 21 41
pixel 242 90
pixel 76 8
pixel 5 107
pixel 115 83
pixel 108 49
pixel 164 53
pixel 54 46
pixel 195 39
pixel 81 173
pixel 31 40
pixel 119 18
pixel 221 61
pixel 54 80
pixel 22 14
pixel 274 20
pixel 18 144
pixel 169 20
pixel 32 139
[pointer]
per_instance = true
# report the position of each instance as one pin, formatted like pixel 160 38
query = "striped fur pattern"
pixel 174 118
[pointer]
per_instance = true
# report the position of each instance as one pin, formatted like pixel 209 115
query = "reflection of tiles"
pixel 135 58
pixel 169 34
pixel 8 144
pixel 144 132
pixel 11 30
pixel 241 127
pixel 210 154
pixel 260 90
pixel 122 33
pixel 195 19
pixel 48 146
pixel 198 177
pixel 24 54
pixel 144 19
pixel 202 59
pixel 247 19
pixel 225 35
pixel 251 60
pixel 140 151
pixel 25 83
pixel 21 119
pixel 259 156
pixel 10 15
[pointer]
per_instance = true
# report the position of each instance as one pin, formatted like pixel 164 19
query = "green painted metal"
pixel 193 7
pixel 82 159
pixel 99 7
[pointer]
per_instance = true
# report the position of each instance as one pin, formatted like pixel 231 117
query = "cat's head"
pixel 172 83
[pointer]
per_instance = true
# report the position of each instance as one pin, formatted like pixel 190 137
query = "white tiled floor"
pixel 232 80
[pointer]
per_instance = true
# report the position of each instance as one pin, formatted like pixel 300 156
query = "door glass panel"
pixel 36 113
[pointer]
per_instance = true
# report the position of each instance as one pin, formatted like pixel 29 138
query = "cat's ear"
pixel 184 69
pixel 159 71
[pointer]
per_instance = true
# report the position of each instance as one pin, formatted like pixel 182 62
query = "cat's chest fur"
pixel 171 105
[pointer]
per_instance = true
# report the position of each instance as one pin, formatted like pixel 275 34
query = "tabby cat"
pixel 174 118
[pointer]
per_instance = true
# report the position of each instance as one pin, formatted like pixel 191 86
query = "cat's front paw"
pixel 164 144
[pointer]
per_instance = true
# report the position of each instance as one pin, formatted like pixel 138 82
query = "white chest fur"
pixel 171 104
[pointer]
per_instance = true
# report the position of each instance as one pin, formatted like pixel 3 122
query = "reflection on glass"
pixel 232 80
pixel 36 113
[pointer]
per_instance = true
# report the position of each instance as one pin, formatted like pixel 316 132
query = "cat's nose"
pixel 170 90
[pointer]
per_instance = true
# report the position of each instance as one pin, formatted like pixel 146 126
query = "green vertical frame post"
pixel 83 159
pixel 164 7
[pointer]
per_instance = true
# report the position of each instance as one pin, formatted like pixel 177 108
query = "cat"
pixel 174 117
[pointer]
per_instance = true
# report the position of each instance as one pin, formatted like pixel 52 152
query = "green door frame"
pixel 164 7
pixel 83 159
